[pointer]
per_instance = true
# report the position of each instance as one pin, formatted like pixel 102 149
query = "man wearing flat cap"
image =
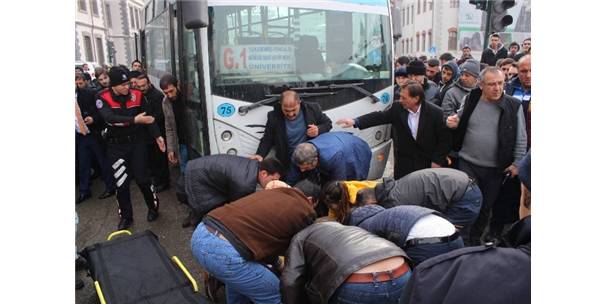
pixel 124 111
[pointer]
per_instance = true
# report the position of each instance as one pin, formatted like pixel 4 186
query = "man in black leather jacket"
pixel 328 262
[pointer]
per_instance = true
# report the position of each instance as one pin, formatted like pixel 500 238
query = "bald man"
pixel 289 124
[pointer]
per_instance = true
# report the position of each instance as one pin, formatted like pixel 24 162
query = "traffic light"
pixel 480 4
pixel 500 19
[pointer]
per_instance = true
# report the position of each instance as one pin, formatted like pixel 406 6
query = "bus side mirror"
pixel 195 13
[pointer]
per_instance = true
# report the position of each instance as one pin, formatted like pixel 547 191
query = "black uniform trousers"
pixel 489 180
pixel 129 160
pixel 158 164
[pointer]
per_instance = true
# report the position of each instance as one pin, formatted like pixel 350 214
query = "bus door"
pixel 192 82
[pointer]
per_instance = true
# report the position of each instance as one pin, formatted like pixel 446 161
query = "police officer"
pixel 124 111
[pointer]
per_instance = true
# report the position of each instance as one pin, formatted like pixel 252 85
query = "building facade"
pixel 91 32
pixel 433 27
pixel 106 30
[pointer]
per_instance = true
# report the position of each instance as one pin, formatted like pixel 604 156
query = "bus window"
pixel 157 46
pixel 255 47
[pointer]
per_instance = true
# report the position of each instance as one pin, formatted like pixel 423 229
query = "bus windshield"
pixel 272 46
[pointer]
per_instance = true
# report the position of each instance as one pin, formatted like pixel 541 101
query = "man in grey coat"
pixel 177 117
pixel 470 71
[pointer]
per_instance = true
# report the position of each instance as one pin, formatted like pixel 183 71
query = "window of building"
pixel 418 7
pixel 408 15
pixel 452 39
pixel 423 45
pixel 431 4
pixel 88 48
pixel 410 44
pixel 137 18
pixel 132 16
pixel 108 14
pixel 82 5
pixel 424 6
pixel 412 14
pixel 418 40
pixel 100 53
pixel 429 44
pixel 94 7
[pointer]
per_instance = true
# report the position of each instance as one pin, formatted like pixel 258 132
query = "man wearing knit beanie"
pixel 470 71
pixel 123 110
pixel 416 71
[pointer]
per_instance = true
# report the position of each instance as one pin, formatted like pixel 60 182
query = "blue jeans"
pixel 465 211
pixel 244 280
pixel 183 157
pixel 372 292
pixel 420 253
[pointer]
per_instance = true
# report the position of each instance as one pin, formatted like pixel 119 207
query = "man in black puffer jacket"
pixel 214 180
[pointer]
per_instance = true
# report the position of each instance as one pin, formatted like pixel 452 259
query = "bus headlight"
pixel 232 151
pixel 226 135
pixel 378 135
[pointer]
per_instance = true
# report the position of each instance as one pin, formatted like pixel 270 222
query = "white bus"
pixel 234 57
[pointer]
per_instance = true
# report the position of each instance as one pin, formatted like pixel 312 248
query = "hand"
pixel 161 145
pixel 346 122
pixel 434 165
pixel 172 158
pixel 88 120
pixel 144 119
pixel 312 130
pixel 512 169
pixel 257 157
pixel 452 121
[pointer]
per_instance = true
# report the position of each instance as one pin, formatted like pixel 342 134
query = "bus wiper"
pixel 355 86
pixel 243 110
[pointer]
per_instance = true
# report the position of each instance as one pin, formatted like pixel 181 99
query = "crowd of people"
pixel 305 225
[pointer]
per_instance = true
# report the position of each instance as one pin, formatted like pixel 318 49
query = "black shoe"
pixel 81 263
pixel 152 215
pixel 83 197
pixel 107 193
pixel 125 223
pixel 79 283
pixel 162 187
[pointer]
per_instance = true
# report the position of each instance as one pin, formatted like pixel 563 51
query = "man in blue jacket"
pixel 335 155
pixel 421 232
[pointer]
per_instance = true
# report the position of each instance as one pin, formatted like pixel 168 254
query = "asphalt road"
pixel 99 218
